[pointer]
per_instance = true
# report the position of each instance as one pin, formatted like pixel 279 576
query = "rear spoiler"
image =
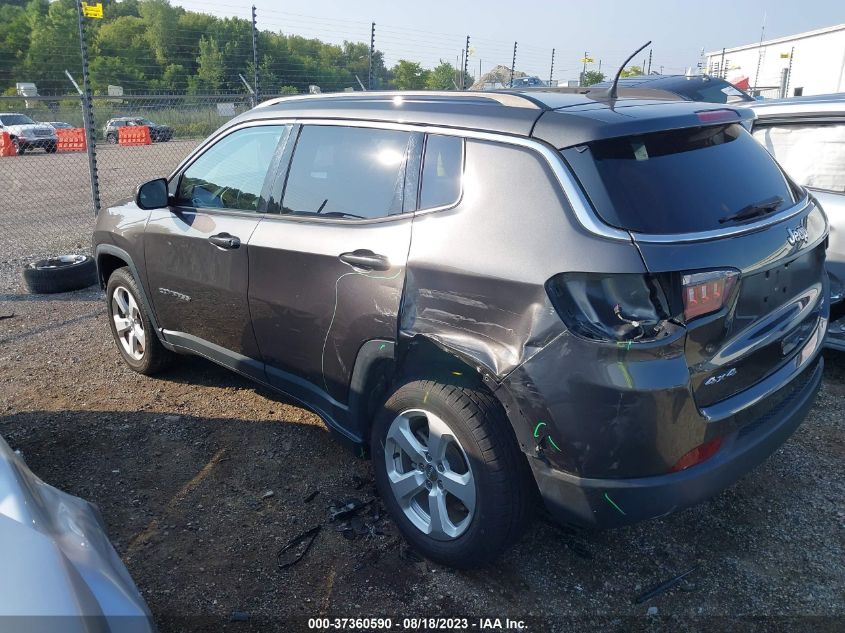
pixel 569 127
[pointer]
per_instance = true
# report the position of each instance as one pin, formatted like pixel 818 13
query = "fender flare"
pixel 116 251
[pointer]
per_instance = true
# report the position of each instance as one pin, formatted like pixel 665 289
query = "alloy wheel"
pixel 429 474
pixel 128 323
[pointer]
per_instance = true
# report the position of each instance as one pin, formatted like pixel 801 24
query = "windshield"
pixel 681 181
pixel 16 119
pixel 143 122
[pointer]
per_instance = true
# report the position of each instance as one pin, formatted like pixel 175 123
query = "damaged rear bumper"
pixel 604 503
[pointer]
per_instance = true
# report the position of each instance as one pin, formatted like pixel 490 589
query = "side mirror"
pixel 152 194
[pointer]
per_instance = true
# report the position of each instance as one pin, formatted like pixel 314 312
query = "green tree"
pixel 593 77
pixel 210 68
pixel 632 71
pixel 442 77
pixel 409 75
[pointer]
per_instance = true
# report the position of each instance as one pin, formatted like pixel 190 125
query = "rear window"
pixel 680 181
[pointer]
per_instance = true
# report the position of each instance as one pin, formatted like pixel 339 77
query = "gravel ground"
pixel 45 201
pixel 182 467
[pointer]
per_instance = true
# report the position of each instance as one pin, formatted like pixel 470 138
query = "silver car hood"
pixel 59 571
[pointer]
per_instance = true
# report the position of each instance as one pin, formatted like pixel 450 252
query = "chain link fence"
pixel 183 74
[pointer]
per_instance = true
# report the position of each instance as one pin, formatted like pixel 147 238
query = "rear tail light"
pixel 611 307
pixel 706 292
pixel 697 455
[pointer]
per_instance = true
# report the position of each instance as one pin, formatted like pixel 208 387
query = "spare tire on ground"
pixel 60 274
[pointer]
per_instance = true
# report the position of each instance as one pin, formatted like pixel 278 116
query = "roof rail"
pixel 509 99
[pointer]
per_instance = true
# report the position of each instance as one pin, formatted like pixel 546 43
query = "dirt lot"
pixel 45 199
pixel 181 466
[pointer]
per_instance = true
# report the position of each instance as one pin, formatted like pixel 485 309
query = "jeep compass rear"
pixel 617 302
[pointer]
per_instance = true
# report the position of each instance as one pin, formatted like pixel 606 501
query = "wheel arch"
pixel 382 365
pixel 109 258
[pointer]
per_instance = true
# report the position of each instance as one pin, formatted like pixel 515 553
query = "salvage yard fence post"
pixel 88 114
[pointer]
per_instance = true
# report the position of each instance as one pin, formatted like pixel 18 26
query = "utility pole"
pixel 649 62
pixel 789 72
pixel 513 64
pixel 552 67
pixel 257 96
pixel 88 115
pixel 462 70
pixel 722 65
pixel 372 54
pixel 759 54
pixel 584 70
pixel 466 66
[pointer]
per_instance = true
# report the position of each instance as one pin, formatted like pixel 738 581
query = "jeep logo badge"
pixel 797 235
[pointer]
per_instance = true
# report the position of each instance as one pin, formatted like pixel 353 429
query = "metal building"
pixel 807 63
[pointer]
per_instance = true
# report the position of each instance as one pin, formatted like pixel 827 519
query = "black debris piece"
pixel 358 482
pixel 296 548
pixel 6 316
pixel 347 509
pixel 664 586
pixel 311 496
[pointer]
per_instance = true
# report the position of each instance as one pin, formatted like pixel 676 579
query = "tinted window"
pixel 678 181
pixel 347 172
pixel 230 174
pixel 812 154
pixel 441 182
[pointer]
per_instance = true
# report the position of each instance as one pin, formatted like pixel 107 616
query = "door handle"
pixel 368 260
pixel 225 241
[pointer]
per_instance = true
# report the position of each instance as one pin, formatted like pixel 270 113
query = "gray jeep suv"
pixel 615 302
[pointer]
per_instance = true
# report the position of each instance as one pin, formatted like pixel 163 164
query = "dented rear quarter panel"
pixel 476 273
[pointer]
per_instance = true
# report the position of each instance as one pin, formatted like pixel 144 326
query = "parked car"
pixel 704 88
pixel 59 570
pixel 807 137
pixel 628 331
pixel 158 133
pixel 58 124
pixel 27 134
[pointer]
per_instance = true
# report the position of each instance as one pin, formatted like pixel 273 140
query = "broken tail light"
pixel 611 307
pixel 706 292
pixel 697 455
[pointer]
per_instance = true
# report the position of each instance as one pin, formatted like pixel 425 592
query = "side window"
pixel 813 154
pixel 230 174
pixel 442 170
pixel 349 172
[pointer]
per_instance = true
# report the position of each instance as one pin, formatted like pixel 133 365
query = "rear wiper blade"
pixel 342 214
pixel 754 210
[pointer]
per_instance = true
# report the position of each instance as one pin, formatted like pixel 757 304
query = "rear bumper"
pixel 602 503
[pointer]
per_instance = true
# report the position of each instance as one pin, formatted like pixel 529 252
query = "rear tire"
pixel 131 328
pixel 480 449
pixel 111 139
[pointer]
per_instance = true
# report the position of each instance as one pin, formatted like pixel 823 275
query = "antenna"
pixel 611 94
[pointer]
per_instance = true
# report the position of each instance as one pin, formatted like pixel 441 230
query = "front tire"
pixel 131 327
pixel 450 472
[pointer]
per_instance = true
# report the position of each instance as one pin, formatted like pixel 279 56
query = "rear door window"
pixel 442 170
pixel 813 154
pixel 680 181
pixel 348 172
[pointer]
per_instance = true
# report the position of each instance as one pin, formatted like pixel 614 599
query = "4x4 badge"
pixel 714 379
pixel 797 235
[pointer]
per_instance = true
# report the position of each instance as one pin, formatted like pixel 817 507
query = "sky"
pixel 430 30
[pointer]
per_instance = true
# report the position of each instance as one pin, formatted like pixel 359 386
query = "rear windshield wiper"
pixel 754 210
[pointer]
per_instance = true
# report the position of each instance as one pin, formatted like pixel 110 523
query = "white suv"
pixel 27 134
